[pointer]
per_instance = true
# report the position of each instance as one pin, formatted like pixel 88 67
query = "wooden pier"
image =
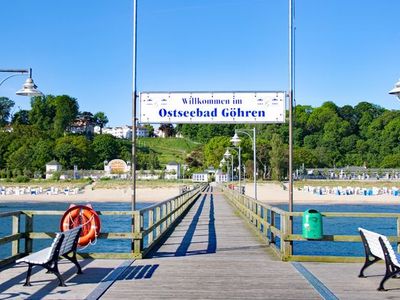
pixel 212 254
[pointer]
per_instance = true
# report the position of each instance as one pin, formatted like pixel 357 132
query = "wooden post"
pixel 398 233
pixel 168 212
pixel 272 223
pixel 28 231
pixel 158 218
pixel 15 230
pixel 286 229
pixel 151 222
pixel 137 242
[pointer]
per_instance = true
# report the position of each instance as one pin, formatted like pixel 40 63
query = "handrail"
pixel 161 218
pixel 271 223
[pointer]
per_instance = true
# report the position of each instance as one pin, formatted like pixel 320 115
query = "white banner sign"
pixel 212 107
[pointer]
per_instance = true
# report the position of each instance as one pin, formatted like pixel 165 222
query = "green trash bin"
pixel 312 225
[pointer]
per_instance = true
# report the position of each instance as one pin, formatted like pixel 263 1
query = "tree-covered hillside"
pixel 326 136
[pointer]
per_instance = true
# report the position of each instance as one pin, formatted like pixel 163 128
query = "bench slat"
pixel 376 248
pixel 42 256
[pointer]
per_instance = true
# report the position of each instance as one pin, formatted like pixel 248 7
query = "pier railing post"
pixel 28 231
pixel 15 230
pixel 272 224
pixel 286 228
pixel 398 233
pixel 158 218
pixel 151 222
pixel 137 239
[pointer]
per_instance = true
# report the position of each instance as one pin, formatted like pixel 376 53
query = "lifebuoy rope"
pixel 71 220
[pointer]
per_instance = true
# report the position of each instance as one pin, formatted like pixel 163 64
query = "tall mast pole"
pixel 134 92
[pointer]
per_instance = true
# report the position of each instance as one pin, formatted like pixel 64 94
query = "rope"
pixel 84 224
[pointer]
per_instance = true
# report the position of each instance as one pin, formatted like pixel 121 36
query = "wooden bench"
pixel 65 245
pixel 377 247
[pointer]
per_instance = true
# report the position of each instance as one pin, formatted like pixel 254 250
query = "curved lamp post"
pixel 238 151
pixel 228 155
pixel 236 141
pixel 29 88
pixel 396 90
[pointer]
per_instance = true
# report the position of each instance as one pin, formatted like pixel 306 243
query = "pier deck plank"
pixel 342 279
pixel 45 286
pixel 212 254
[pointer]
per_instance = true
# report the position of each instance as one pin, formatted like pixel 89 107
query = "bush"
pixel 21 179
pixel 56 176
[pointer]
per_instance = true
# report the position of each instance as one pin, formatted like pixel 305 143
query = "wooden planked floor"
pixel 45 286
pixel 212 255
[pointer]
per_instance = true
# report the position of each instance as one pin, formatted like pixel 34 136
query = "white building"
pixel 52 167
pixel 172 171
pixel 82 125
pixel 200 177
pixel 142 131
pixel 220 176
pixel 123 132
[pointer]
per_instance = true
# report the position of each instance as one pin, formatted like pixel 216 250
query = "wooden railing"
pixel 273 225
pixel 149 225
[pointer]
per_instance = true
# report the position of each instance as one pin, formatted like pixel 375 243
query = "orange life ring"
pixel 85 216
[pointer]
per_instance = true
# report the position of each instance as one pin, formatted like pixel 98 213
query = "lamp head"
pixel 396 90
pixel 29 89
pixel 235 140
pixel 227 154
pixel 223 161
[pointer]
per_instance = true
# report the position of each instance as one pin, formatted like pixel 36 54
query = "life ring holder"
pixel 85 216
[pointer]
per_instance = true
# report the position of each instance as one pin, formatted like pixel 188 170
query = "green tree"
pixel 42 154
pixel 20 159
pixel 104 147
pixel 215 149
pixel 42 113
pixel 73 150
pixel 20 118
pixel 304 156
pixel 66 110
pixel 277 157
pixel 101 120
pixel 5 110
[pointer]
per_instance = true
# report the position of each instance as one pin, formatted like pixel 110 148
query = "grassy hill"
pixel 168 149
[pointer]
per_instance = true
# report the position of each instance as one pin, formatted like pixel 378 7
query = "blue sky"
pixel 347 51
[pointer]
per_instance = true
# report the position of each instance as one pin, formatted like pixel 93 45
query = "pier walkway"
pixel 211 254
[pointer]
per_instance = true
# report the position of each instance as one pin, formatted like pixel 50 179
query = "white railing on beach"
pixel 38 191
pixel 346 191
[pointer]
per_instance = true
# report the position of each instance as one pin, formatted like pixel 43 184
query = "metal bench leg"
pixel 367 263
pixel 386 277
pixel 57 273
pixel 28 276
pixel 75 262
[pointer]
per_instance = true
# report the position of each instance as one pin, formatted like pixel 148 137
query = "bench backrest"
pixel 70 239
pixel 375 246
pixel 57 240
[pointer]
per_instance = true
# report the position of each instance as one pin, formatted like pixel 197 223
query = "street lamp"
pixel 238 151
pixel 236 141
pixel 29 88
pixel 227 154
pixel 396 90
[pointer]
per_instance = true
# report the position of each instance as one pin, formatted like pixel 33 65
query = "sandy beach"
pixel 273 193
pixel 270 193
pixel 143 194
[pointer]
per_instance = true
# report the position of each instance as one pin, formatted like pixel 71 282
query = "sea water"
pixel 115 223
pixel 44 223
pixel 343 226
